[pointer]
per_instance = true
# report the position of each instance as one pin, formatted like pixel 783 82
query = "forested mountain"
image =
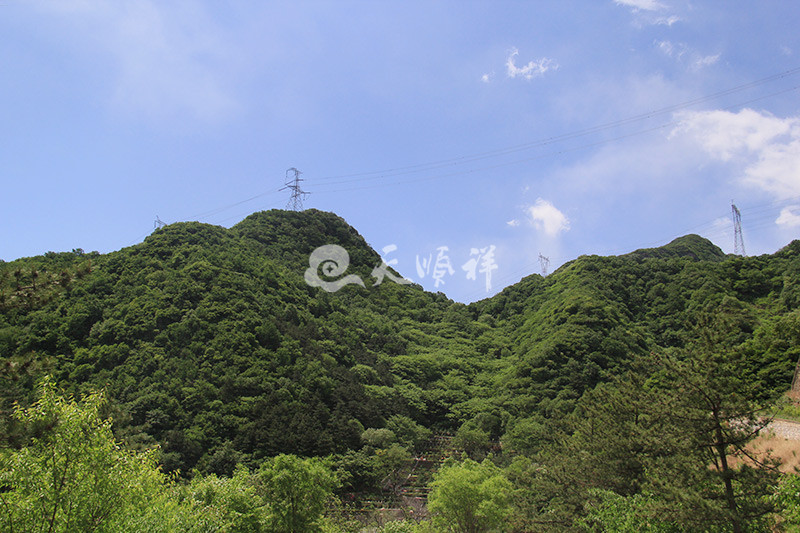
pixel 210 343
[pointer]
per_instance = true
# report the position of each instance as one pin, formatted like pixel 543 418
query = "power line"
pixel 218 210
pixel 243 214
pixel 558 138
pixel 527 159
pixel 296 199
pixel 298 194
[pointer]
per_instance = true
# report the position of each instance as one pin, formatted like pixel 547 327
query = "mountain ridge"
pixel 211 343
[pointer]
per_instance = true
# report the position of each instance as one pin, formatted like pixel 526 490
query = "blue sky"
pixel 558 128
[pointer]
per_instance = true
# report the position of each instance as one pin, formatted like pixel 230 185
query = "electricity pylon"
pixel 292 183
pixel 738 240
pixel 544 263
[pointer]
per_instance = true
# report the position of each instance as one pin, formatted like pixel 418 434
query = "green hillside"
pixel 209 343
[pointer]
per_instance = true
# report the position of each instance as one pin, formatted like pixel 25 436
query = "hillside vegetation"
pixel 597 380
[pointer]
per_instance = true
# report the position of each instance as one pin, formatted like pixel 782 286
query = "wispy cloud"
pixel 487 78
pixel 167 59
pixel 644 5
pixel 766 147
pixel 548 218
pixel 705 61
pixel 666 21
pixel 649 12
pixel 531 70
pixel 686 55
pixel 671 50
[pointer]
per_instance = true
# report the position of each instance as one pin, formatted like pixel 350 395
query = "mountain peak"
pixel 691 246
pixel 291 236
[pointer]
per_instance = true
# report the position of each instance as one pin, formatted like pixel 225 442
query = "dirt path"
pixel 785 429
pixel 782 439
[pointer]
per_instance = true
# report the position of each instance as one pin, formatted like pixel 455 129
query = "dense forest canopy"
pixel 209 343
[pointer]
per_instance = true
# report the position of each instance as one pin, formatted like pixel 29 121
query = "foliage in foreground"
pixel 74 476
pixel 470 497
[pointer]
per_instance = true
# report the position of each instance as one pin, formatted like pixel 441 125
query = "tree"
pixel 470 497
pixel 472 439
pixel 408 433
pixel 295 490
pixel 608 444
pixel 378 438
pixel 666 442
pixel 787 498
pixel 230 504
pixel 73 476
pixel 621 514
pixel 717 407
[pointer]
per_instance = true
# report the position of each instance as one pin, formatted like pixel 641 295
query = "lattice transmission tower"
pixel 544 263
pixel 738 239
pixel 292 183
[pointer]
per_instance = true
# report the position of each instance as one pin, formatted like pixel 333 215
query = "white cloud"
pixel 166 59
pixel 705 61
pixel 513 223
pixel 643 5
pixel 546 217
pixel 487 78
pixel 788 218
pixel 682 52
pixel 531 70
pixel 670 49
pixel 649 12
pixel 666 21
pixel 767 148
